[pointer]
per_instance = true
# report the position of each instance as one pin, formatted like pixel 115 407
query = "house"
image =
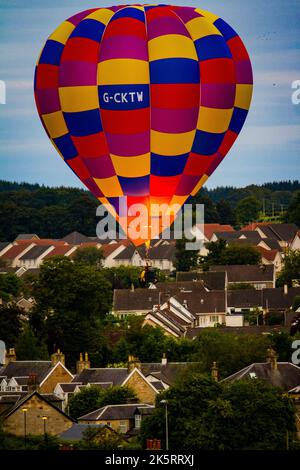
pixel 43 375
pixel 283 233
pixel 129 256
pixel 249 236
pixel 4 247
pixel 34 257
pixel 205 232
pixel 259 276
pixel 173 317
pixel 140 301
pixel 65 250
pixel 77 430
pixel 27 236
pixel 130 376
pixel 284 375
pixel 110 251
pixel 121 418
pixel 162 257
pixel 295 244
pixel 75 238
pixel 17 271
pixel 13 254
pixel 209 308
pixel 212 280
pixel 271 257
pixel 146 379
pixel 35 414
pixel 247 300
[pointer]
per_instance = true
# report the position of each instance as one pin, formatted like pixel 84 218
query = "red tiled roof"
pixel 108 249
pixel 210 229
pixel 43 241
pixel 254 225
pixel 16 250
pixel 270 255
pixel 59 251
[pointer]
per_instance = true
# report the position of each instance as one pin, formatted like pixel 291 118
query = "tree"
pixel 72 299
pixel 206 415
pixel 185 259
pixel 293 212
pixel 247 210
pixel 29 348
pixel 10 323
pixel 90 256
pixel 232 352
pixel 122 277
pixel 10 286
pixel 226 213
pixel 221 254
pixel 291 269
pixel 84 401
pixel 95 438
pixel 240 254
pixel 92 398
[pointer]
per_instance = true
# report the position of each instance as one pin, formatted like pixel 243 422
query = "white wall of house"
pixel 110 261
pixel 234 320
pixel 164 264
pixel 209 320
pixel 15 262
pixel 295 245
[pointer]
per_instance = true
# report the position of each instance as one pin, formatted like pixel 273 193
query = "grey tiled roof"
pixel 75 238
pixel 75 433
pixel 247 272
pixel 25 368
pixel 114 375
pixel 286 376
pixel 35 252
pixel 112 412
pixel 211 280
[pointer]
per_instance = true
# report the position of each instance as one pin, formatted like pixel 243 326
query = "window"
pixel 123 426
pixel 214 318
pixel 137 421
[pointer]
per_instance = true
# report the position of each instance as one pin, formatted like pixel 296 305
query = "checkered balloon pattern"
pixel 143 101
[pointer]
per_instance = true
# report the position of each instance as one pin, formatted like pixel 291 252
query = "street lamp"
pixel 165 402
pixel 44 418
pixel 25 430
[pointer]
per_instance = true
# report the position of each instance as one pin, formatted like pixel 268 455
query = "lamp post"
pixel 165 402
pixel 24 410
pixel 44 418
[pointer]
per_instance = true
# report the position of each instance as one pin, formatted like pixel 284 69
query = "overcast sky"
pixel 268 148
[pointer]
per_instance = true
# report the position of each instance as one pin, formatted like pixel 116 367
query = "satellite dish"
pixel 2 352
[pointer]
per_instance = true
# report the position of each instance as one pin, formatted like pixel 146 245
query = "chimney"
pixel 215 372
pixel 10 356
pixel 83 364
pixel 32 383
pixel 132 287
pixel 133 362
pixel 164 360
pixel 285 289
pixel 58 356
pixel 272 358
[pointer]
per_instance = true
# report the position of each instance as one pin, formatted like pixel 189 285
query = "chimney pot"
pixel 164 360
pixel 285 289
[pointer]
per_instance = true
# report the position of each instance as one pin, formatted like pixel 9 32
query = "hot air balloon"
pixel 143 102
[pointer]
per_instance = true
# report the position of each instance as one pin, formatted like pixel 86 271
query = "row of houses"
pixel 209 299
pixel 28 251
pixel 33 392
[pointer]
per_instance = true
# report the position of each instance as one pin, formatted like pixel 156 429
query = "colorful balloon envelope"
pixel 143 101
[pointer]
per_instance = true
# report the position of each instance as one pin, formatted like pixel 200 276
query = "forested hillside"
pixel 54 212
